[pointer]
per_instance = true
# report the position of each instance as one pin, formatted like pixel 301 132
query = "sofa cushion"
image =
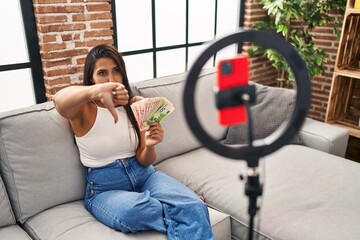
pixel 6 213
pixel 177 132
pixel 13 232
pixel 39 160
pixel 71 221
pixel 273 105
pixel 308 194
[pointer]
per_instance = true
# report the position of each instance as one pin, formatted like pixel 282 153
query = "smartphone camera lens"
pixel 226 68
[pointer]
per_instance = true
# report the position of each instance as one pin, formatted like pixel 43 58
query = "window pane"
pixel 228 17
pixel 170 62
pixel 194 53
pixel 134 25
pixel 201 20
pixel 16 89
pixel 139 67
pixel 13 42
pixel 227 52
pixel 170 22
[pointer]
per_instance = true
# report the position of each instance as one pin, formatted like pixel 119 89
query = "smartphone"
pixel 231 73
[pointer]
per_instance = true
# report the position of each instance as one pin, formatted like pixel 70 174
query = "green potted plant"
pixel 294 20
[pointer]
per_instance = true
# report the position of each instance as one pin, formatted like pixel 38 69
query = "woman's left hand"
pixel 136 99
pixel 154 135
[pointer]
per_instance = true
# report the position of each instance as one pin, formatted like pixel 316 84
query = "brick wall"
pixel 326 39
pixel 67 29
pixel 261 70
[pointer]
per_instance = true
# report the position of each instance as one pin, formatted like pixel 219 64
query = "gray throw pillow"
pixel 269 111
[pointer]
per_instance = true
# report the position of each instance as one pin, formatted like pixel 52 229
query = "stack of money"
pixel 150 110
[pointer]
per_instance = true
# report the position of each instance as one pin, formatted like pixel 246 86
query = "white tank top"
pixel 106 141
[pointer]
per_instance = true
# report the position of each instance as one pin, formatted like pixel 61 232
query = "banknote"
pixel 150 110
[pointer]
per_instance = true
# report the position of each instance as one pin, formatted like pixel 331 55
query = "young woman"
pixel 123 190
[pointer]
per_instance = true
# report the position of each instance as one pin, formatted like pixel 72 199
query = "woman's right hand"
pixel 112 94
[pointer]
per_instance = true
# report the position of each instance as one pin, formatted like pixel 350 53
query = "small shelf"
pixel 353 73
pixel 343 108
pixel 344 102
pixel 349 48
pixel 353 11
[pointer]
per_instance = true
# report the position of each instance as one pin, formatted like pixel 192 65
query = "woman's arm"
pixel 70 101
pixel 146 153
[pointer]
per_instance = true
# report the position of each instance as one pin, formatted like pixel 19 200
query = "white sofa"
pixel 310 190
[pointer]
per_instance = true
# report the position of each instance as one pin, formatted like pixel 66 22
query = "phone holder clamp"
pixel 235 96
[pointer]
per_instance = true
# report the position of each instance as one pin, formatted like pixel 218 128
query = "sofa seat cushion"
pixel 308 194
pixel 13 232
pixel 72 221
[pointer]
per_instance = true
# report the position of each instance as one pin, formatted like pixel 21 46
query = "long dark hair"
pixel 107 51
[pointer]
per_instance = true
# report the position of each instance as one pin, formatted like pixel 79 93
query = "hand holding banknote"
pixel 149 110
pixel 154 134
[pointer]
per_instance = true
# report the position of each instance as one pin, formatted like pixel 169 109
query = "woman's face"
pixel 106 70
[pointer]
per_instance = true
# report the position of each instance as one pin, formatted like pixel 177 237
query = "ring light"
pixel 287 129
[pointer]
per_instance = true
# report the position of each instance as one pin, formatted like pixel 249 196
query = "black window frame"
pixel 32 41
pixel 154 50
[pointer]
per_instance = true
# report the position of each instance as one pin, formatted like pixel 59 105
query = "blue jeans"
pixel 128 197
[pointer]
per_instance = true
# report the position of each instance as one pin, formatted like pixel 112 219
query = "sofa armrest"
pixel 324 137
